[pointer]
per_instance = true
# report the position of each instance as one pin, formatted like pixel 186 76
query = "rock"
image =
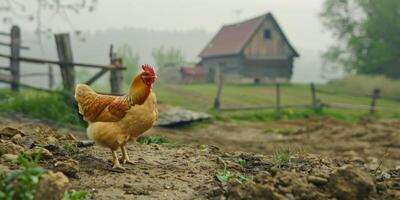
pixel 349 182
pixel 46 154
pixel 10 132
pixel 51 140
pixel 10 157
pixel 5 170
pixel 69 167
pixel 250 190
pixel 176 115
pixel 52 186
pixel 17 139
pixel 9 147
pixel 319 181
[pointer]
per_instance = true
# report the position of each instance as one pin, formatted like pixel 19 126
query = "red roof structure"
pixel 231 39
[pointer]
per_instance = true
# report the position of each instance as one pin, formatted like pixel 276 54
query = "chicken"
pixel 114 120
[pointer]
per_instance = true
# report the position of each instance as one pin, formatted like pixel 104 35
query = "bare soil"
pixel 331 160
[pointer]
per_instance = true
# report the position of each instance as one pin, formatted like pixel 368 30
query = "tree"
pixel 131 61
pixel 15 11
pixel 172 57
pixel 368 36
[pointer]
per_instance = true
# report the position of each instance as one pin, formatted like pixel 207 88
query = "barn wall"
pixel 270 69
pixel 259 47
pixel 232 65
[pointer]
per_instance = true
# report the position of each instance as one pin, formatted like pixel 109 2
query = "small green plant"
pixel 70 148
pixel 203 146
pixel 282 157
pixel 22 184
pixel 242 162
pixel 155 139
pixel 79 195
pixel 224 177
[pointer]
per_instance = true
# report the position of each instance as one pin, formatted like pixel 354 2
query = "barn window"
pixel 267 34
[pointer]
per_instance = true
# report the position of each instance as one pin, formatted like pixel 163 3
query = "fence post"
pixel 375 96
pixel 64 51
pixel 313 96
pixel 14 60
pixel 116 76
pixel 217 101
pixel 51 77
pixel 278 97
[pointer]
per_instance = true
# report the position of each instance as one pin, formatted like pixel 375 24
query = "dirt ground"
pixel 331 160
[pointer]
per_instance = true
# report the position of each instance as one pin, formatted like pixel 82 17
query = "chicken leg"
pixel 116 164
pixel 125 157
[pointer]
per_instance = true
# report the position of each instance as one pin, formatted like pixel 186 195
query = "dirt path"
pixel 206 172
pixel 368 141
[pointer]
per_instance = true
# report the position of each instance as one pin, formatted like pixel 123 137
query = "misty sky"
pixel 298 18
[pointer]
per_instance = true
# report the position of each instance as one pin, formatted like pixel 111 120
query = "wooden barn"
pixel 255 49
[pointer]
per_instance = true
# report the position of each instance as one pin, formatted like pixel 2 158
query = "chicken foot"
pixel 116 164
pixel 125 157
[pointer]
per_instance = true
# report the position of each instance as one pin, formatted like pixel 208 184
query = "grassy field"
pixel 200 97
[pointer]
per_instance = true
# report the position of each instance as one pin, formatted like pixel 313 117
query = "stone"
pixel 17 139
pixel 51 140
pixel 10 157
pixel 10 132
pixel 9 147
pixel 52 186
pixel 69 167
pixel 46 154
pixel 319 181
pixel 349 182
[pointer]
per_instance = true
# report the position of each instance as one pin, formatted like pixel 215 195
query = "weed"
pixel 282 157
pixel 242 162
pixel 80 195
pixel 203 146
pixel 225 176
pixel 155 139
pixel 70 148
pixel 22 184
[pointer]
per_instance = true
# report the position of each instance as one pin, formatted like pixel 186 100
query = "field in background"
pixel 200 97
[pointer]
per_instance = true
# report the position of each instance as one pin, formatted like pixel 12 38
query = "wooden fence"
pixel 65 62
pixel 315 102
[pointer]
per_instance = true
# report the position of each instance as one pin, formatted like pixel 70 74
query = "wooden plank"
pixel 35 74
pixel 116 76
pixel 5 68
pixel 217 100
pixel 64 51
pixel 278 97
pixel 47 61
pixel 5 78
pixel 261 107
pixel 5 33
pixel 9 45
pixel 15 52
pixel 96 76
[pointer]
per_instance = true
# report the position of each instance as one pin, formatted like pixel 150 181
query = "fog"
pixel 298 18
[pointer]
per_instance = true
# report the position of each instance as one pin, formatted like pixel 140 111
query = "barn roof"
pixel 231 39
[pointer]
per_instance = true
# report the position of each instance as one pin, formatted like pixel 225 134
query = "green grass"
pixel 39 105
pixel 282 157
pixel 200 97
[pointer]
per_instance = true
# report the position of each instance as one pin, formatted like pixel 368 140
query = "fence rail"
pixel 65 62
pixel 315 102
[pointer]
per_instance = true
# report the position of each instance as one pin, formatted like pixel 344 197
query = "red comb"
pixel 149 69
